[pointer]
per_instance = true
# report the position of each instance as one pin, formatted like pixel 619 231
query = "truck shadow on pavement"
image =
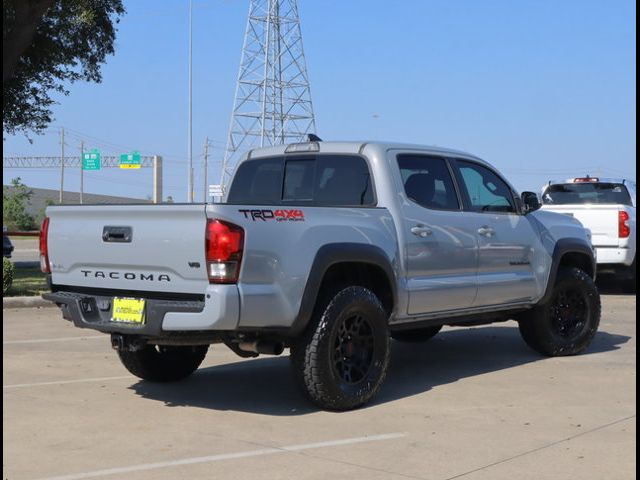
pixel 265 385
pixel 609 286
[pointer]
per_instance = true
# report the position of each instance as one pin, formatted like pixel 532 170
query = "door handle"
pixel 486 231
pixel 421 231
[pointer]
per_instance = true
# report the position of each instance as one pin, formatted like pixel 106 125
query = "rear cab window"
pixel 317 180
pixel 587 193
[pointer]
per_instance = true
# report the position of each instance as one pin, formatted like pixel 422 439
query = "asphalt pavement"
pixel 472 403
pixel 25 250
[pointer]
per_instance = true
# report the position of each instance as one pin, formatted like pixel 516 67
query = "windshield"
pixel 581 193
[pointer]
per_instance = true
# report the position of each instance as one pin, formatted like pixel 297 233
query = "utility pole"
pixel 61 199
pixel 205 193
pixel 81 170
pixel 190 134
pixel 157 179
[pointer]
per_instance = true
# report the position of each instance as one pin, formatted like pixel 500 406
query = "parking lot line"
pixel 48 340
pixel 226 456
pixel 65 382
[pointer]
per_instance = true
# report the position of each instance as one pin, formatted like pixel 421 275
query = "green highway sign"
pixel 130 160
pixel 91 160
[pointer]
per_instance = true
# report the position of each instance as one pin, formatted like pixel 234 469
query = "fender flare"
pixel 563 247
pixel 332 254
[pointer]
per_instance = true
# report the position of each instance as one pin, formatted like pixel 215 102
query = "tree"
pixel 42 213
pixel 14 206
pixel 48 44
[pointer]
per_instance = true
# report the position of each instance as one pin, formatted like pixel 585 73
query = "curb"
pixel 26 302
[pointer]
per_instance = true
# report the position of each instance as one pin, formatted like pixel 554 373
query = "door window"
pixel 483 190
pixel 427 182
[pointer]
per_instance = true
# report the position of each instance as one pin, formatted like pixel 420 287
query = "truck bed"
pixel 165 251
pixel 601 220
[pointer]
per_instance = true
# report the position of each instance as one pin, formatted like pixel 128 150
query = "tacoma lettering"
pixel 148 277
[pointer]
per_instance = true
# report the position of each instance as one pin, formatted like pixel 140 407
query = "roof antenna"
pixel 312 137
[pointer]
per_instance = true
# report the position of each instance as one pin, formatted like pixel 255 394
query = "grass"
pixel 27 282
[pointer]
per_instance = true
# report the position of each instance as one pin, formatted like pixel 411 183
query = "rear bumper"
pixel 614 255
pixel 218 311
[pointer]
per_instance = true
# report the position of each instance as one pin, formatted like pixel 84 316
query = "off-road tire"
pixel 416 335
pixel 163 363
pixel 342 358
pixel 568 321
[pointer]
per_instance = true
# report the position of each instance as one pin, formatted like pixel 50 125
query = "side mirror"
pixel 530 201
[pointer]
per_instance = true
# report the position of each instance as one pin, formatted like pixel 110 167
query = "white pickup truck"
pixel 606 207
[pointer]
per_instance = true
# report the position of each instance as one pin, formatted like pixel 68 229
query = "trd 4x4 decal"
pixel 277 215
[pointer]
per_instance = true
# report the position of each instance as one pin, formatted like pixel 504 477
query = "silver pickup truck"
pixel 329 249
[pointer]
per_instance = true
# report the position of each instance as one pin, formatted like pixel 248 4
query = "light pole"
pixel 61 199
pixel 81 171
pixel 190 127
pixel 206 168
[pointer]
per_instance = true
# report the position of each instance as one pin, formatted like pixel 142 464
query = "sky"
pixel 541 89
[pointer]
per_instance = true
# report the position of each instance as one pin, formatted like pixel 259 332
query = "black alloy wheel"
pixel 569 312
pixel 354 348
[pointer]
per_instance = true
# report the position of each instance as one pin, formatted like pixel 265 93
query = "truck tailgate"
pixel 157 248
pixel 601 220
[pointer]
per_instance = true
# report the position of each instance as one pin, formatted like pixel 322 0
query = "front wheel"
pixel 158 363
pixel 568 321
pixel 342 359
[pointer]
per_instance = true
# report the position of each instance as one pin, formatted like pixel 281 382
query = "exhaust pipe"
pixel 261 346
pixel 127 343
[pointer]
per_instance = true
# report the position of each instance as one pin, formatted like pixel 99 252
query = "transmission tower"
pixel 273 98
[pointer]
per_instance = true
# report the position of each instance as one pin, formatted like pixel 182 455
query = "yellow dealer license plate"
pixel 128 310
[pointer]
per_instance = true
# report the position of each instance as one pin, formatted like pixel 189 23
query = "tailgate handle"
pixel 117 234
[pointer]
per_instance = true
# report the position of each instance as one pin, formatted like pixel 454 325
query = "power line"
pixel 86 136
pixel 118 147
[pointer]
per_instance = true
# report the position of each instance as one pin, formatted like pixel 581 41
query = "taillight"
pixel 44 246
pixel 223 250
pixel 623 224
